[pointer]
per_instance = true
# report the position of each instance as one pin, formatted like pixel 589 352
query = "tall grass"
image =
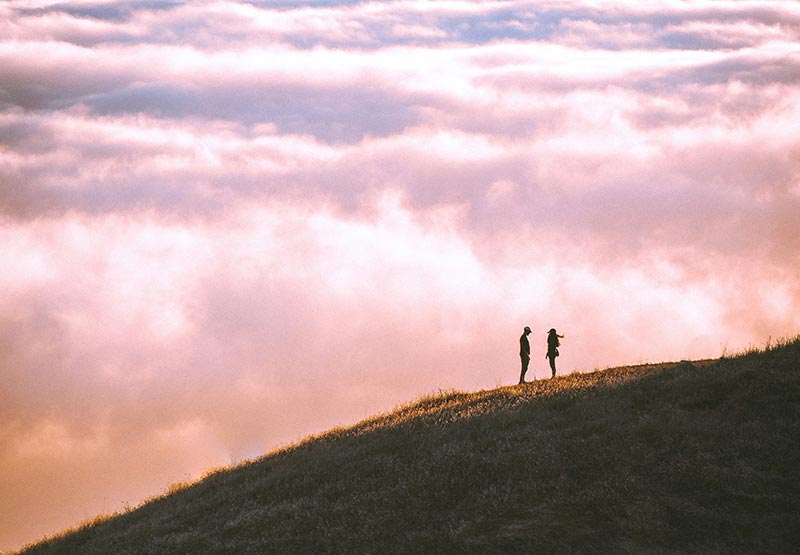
pixel 679 457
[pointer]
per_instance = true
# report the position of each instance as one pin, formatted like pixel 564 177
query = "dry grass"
pixel 682 457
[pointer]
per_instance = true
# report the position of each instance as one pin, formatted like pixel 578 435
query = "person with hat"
pixel 552 348
pixel 524 352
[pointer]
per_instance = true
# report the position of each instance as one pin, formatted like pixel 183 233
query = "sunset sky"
pixel 225 225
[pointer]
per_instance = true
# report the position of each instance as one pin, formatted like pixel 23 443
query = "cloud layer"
pixel 225 225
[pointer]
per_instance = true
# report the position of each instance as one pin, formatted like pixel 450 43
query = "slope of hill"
pixel 683 457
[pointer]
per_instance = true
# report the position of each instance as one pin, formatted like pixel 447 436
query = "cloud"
pixel 224 226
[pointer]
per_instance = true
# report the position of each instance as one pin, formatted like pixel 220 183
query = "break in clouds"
pixel 224 226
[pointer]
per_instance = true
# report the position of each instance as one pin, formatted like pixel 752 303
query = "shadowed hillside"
pixel 682 457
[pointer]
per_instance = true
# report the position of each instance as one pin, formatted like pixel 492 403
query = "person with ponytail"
pixel 553 344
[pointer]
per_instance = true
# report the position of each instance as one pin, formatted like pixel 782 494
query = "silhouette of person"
pixel 552 348
pixel 524 352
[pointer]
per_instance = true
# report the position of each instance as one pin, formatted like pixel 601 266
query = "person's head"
pixel 527 330
pixel 552 331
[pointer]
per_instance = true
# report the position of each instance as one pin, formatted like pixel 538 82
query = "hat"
pixel 527 328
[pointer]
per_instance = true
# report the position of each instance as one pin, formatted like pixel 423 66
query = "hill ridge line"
pixel 687 456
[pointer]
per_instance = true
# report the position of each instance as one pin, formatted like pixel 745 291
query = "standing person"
pixel 552 348
pixel 524 352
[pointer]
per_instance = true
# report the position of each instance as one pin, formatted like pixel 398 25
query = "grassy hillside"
pixel 685 457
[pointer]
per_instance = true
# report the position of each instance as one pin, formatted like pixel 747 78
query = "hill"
pixel 685 457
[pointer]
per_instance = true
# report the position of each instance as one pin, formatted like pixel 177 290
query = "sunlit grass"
pixel 698 457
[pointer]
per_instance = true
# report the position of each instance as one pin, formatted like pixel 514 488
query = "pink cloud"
pixel 223 227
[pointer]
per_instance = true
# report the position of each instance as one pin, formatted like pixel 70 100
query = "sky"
pixel 225 226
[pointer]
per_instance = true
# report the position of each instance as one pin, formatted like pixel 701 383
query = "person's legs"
pixel 525 362
pixel 553 365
